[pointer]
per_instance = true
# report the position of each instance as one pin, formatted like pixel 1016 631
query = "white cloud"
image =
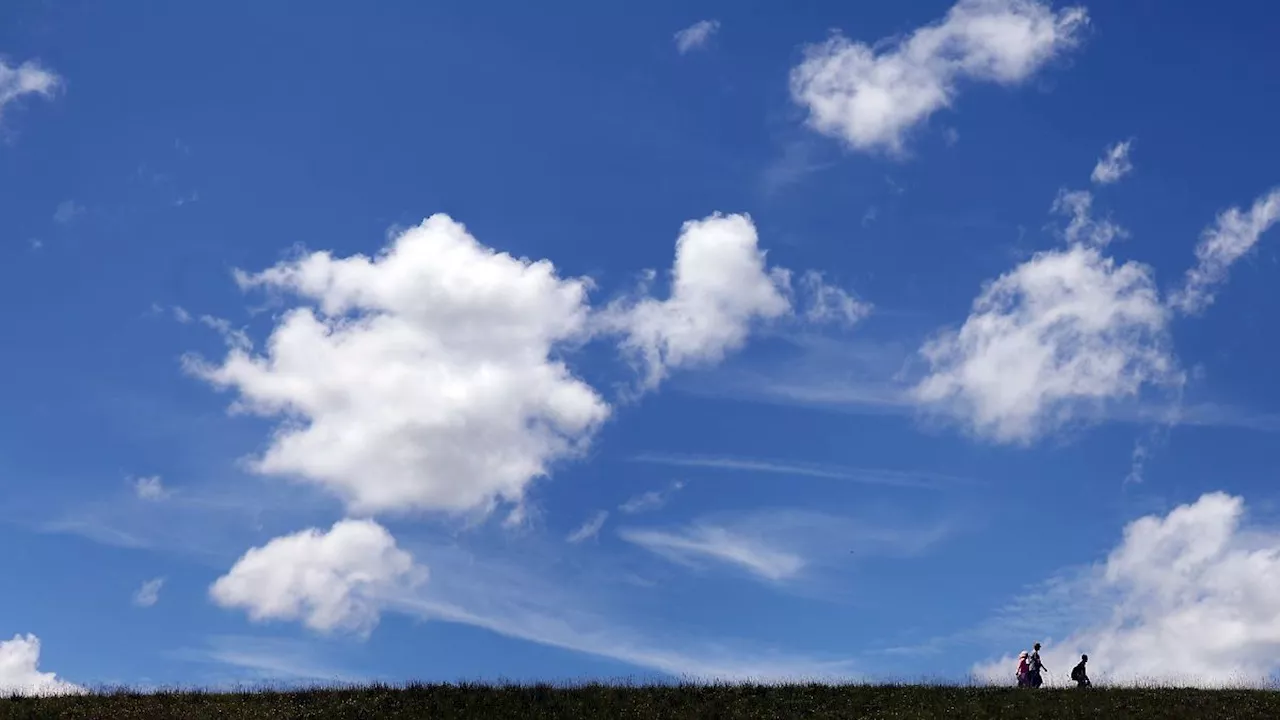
pixel 1083 228
pixel 784 545
pixel 1113 165
pixel 651 500
pixel 719 287
pixel 20 669
pixel 335 580
pixel 181 315
pixel 425 377
pixel 150 488
pixel 871 98
pixel 875 476
pixel 514 598
pixel 29 78
pixel 67 211
pixel 830 304
pixel 511 596
pixel 590 528
pixel 1190 598
pixel 720 545
pixel 149 593
pixel 696 35
pixel 1064 332
pixel 1232 235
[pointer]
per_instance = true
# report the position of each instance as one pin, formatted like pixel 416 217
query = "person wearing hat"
pixel 1024 670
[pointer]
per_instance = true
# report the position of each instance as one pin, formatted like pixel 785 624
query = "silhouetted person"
pixel 1036 666
pixel 1024 670
pixel 1079 675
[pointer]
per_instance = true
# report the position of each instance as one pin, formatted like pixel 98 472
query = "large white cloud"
pixel 425 377
pixel 870 96
pixel 29 78
pixel 1063 332
pixel 431 376
pixel 1190 598
pixel 20 670
pixel 335 580
pixel 1232 235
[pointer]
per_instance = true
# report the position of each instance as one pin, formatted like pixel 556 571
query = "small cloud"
pixel 67 211
pixel 181 147
pixel 831 304
pixel 696 35
pixel 181 315
pixel 590 528
pixel 651 500
pixel 1113 165
pixel 36 243
pixel 186 199
pixel 869 216
pixel 950 136
pixel 150 488
pixel 149 593
pixel 29 78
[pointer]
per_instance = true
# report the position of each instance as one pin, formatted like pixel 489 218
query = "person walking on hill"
pixel 1036 667
pixel 1024 670
pixel 1079 675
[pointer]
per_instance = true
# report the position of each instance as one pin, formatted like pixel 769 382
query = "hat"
pixel 1022 654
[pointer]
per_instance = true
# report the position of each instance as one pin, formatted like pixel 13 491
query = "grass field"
pixel 485 702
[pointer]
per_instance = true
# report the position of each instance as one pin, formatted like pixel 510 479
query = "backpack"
pixel 1077 673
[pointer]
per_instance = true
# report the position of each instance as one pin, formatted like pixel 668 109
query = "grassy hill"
pixel 486 702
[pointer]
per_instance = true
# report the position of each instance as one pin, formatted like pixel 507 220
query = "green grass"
pixel 491 702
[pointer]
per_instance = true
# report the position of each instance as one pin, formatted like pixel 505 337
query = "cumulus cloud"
pixel 871 96
pixel 590 528
pixel 425 377
pixel 1056 337
pixel 720 286
pixel 1190 598
pixel 20 672
pixel 696 35
pixel 149 593
pixel 1232 235
pixel 29 78
pixel 1113 165
pixel 335 580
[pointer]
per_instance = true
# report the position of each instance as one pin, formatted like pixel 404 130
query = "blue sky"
pixel 733 341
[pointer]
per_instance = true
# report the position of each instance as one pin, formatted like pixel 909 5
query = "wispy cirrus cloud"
pixel 718 544
pixel 590 528
pixel 650 500
pixel 874 476
pixel 785 545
